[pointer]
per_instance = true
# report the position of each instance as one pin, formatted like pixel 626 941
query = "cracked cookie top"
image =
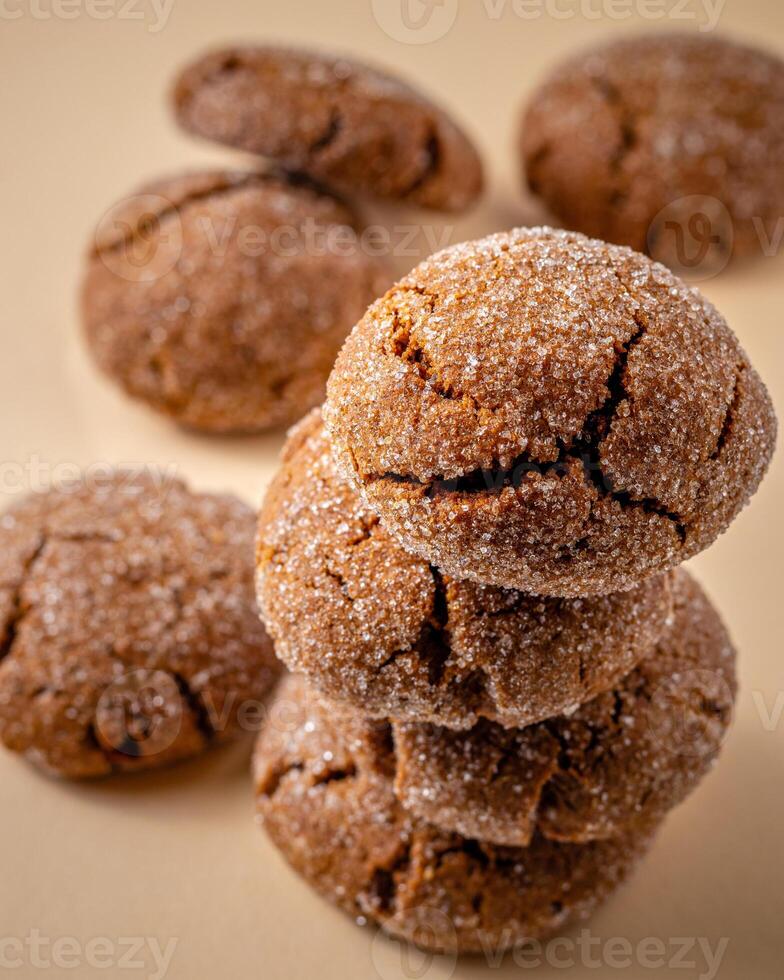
pixel 620 761
pixel 129 636
pixel 550 413
pixel 324 791
pixel 372 625
pixel 676 127
pixel 221 298
pixel 341 122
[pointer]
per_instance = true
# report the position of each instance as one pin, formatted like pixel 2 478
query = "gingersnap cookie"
pixel 629 136
pixel 549 413
pixel 341 122
pixel 373 626
pixel 129 636
pixel 324 789
pixel 620 762
pixel 221 299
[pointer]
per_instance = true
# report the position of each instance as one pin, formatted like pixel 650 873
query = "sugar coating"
pixel 629 128
pixel 226 311
pixel 342 122
pixel 619 762
pixel 546 412
pixel 324 793
pixel 375 627
pixel 129 636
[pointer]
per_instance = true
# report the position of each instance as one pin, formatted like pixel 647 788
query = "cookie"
pixel 221 299
pixel 677 127
pixel 352 127
pixel 129 636
pixel 545 412
pixel 372 625
pixel 620 762
pixel 324 790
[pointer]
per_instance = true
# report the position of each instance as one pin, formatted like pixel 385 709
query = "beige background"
pixel 176 854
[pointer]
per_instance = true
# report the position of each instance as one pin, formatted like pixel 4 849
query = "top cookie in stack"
pixel 546 412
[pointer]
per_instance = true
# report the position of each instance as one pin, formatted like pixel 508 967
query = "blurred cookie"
pixel 129 636
pixel 221 299
pixel 339 121
pixel 677 128
pixel 373 626
pixel 620 762
pixel 324 788
pixel 546 412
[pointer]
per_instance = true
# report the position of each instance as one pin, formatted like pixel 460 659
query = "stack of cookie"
pixel 502 681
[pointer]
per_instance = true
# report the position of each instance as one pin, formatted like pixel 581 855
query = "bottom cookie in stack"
pixel 325 793
pixel 482 839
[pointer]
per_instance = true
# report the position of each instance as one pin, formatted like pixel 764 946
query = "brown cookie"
pixel 324 785
pixel 373 626
pixel 221 299
pixel 549 413
pixel 631 134
pixel 620 762
pixel 129 636
pixel 355 128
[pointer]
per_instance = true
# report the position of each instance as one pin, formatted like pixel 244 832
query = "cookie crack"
pixel 432 150
pixel 432 646
pixel 18 609
pixel 383 886
pixel 586 447
pixel 346 772
pixel 270 785
pixel 729 417
pixel 330 134
pixel 196 706
pixel 627 130
pixel 407 349
pixel 536 161
pixel 435 643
